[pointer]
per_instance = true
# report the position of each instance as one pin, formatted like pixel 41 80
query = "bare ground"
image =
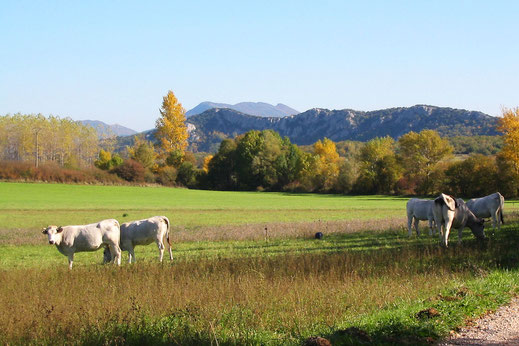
pixel 498 328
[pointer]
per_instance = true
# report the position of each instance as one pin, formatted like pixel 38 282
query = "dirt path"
pixel 498 328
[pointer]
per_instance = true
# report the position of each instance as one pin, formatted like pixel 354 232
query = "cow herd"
pixel 445 212
pixel 111 236
pixel 442 213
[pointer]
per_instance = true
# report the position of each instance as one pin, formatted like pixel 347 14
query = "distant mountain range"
pixel 252 108
pixel 105 130
pixel 209 127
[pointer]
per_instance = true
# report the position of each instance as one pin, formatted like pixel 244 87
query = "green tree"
pixel 419 155
pixel 379 169
pixel 476 176
pixel 144 152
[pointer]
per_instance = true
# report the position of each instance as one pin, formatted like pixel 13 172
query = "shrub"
pixel 52 172
pixel 167 176
pixel 130 170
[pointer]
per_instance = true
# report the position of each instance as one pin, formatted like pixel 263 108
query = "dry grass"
pixel 283 230
pixel 286 295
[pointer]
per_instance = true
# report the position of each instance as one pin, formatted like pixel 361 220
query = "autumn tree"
pixel 327 164
pixel 171 127
pixel 509 125
pixel 420 153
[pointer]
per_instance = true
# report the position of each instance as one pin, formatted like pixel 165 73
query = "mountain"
pixel 211 126
pixel 252 108
pixel 104 129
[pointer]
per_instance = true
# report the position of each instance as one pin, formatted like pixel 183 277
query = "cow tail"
pixel 166 220
pixel 501 205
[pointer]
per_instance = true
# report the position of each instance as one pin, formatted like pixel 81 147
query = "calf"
pixel 449 212
pixel 72 239
pixel 144 232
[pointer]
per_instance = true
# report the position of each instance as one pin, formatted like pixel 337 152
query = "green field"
pixel 232 281
pixel 32 206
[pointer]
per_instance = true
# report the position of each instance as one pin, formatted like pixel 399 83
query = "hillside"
pixel 252 108
pixel 104 130
pixel 339 125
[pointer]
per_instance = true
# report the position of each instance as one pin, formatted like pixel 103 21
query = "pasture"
pixel 232 282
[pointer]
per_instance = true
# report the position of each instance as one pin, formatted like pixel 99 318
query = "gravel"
pixel 498 328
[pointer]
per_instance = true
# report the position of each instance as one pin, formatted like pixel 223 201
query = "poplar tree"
pixel 171 126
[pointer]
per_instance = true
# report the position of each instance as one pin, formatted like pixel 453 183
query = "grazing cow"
pixel 144 232
pixel 489 206
pixel 419 210
pixel 72 239
pixel 449 212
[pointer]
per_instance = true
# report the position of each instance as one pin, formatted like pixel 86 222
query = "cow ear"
pixel 44 231
pixel 60 229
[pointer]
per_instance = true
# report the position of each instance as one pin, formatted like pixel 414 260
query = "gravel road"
pixel 498 328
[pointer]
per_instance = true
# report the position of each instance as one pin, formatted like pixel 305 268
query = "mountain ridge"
pixel 252 108
pixel 346 124
pixel 104 130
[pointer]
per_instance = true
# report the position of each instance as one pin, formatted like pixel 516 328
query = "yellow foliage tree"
pixel 327 163
pixel 171 126
pixel 207 159
pixel 509 125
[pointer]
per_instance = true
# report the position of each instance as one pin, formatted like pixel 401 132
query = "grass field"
pixel 232 282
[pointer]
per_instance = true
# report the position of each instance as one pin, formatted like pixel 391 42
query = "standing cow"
pixel 144 232
pixel 72 239
pixel 419 210
pixel 489 206
pixel 449 212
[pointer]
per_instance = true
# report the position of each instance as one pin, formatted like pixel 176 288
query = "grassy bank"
pixel 263 299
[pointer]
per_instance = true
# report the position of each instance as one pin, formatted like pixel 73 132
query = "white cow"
pixel 489 206
pixel 144 232
pixel 419 210
pixel 72 239
pixel 449 212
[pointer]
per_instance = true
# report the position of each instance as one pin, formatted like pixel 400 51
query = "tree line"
pixel 417 163
pixel 40 139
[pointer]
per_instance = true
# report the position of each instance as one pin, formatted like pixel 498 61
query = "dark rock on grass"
pixel 428 313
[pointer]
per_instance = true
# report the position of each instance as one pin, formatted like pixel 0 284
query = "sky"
pixel 114 60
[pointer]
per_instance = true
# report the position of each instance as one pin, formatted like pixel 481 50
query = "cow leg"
pixel 416 226
pixel 131 254
pixel 160 245
pixel 494 221
pixel 460 234
pixel 409 225
pixel 115 251
pixel 430 227
pixel 70 260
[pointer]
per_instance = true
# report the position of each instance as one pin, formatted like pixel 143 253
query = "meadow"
pixel 234 282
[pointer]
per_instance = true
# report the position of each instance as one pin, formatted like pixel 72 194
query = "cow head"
pixel 478 229
pixel 54 234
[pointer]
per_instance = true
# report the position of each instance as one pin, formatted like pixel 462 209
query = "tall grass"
pixel 280 299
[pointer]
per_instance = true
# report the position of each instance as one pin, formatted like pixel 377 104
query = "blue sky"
pixel 114 60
